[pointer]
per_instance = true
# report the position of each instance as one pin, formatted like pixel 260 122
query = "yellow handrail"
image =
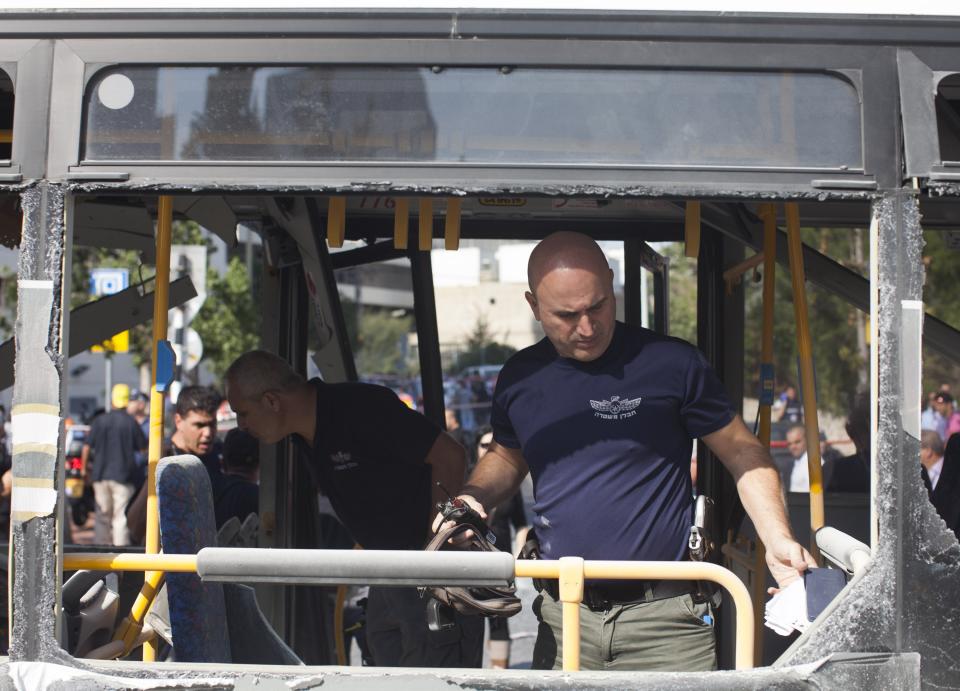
pixel 807 388
pixel 769 214
pixel 102 561
pixel 571 572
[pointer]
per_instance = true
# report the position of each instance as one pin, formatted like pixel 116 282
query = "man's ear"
pixel 177 419
pixel 272 401
pixel 532 301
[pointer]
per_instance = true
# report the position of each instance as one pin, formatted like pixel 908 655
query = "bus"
pixel 340 136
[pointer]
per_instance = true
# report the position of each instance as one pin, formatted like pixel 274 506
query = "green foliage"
pixel 378 339
pixel 481 348
pixel 682 320
pixel 942 301
pixel 229 321
pixel 8 302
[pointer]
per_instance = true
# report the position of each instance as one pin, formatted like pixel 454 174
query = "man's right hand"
pixel 439 524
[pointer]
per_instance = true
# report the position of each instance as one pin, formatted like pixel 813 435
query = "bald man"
pixel 379 463
pixel 603 416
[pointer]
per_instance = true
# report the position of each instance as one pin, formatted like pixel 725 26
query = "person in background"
pixel 852 473
pixel 195 433
pixel 509 514
pixel 239 493
pixel 115 438
pixel 384 469
pixel 789 406
pixel 941 480
pixel 930 418
pixel 950 422
pixel 137 409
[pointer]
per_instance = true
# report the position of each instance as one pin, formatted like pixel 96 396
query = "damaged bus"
pixel 339 139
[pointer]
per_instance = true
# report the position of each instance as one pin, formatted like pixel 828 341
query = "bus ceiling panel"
pixel 128 222
pixel 114 224
pixel 212 212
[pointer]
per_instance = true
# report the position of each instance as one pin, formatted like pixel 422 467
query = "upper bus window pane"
pixel 6 115
pixel 472 115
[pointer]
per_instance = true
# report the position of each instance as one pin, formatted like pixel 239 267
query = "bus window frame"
pixel 89 56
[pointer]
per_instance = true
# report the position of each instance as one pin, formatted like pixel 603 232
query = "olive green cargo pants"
pixel 662 635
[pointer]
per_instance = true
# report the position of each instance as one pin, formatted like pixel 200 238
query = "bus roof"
pixel 876 8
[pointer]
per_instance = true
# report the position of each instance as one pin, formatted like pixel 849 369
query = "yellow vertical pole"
pixel 401 223
pixel 451 230
pixel 805 350
pixel 768 213
pixel 691 230
pixel 571 595
pixel 336 221
pixel 426 224
pixel 161 306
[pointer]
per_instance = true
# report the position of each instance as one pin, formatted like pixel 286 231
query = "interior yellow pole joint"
pixel 451 231
pixel 691 230
pixel 401 223
pixel 426 224
pixel 571 595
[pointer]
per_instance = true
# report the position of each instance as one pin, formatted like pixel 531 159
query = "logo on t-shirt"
pixel 342 461
pixel 616 408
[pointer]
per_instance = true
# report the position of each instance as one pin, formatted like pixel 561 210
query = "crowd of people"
pixel 939 468
pixel 114 459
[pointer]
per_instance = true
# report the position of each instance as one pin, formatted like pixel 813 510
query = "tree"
pixel 481 348
pixel 942 300
pixel 229 321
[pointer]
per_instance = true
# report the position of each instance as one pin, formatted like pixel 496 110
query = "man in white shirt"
pixel 931 456
pixel 797 476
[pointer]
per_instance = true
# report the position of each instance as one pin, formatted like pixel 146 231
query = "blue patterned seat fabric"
pixel 197 610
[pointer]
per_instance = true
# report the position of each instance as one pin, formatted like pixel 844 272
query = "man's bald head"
pixel 256 372
pixel 565 250
pixel 571 295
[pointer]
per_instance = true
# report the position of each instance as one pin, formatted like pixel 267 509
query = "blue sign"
pixel 108 281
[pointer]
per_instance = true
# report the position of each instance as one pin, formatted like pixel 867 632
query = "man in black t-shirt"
pixel 603 416
pixel 379 463
pixel 195 432
pixel 115 438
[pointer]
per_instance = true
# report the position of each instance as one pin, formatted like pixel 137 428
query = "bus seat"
pixel 196 610
pixel 198 616
pixel 252 639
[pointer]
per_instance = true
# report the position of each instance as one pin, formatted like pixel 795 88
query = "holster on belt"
pixel 531 550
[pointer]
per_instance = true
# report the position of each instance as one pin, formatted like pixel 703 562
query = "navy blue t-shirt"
pixel 368 456
pixel 609 442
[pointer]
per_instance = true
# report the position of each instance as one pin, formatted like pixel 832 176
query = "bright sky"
pixel 874 7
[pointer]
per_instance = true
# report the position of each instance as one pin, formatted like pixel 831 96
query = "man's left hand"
pixel 786 559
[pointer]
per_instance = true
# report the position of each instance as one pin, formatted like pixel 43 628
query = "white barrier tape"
pixel 37 501
pixel 35 428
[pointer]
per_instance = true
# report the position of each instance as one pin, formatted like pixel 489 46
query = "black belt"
pixel 600 598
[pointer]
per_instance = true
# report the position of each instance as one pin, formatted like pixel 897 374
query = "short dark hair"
pixel 240 450
pixel 201 398
pixel 943 397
